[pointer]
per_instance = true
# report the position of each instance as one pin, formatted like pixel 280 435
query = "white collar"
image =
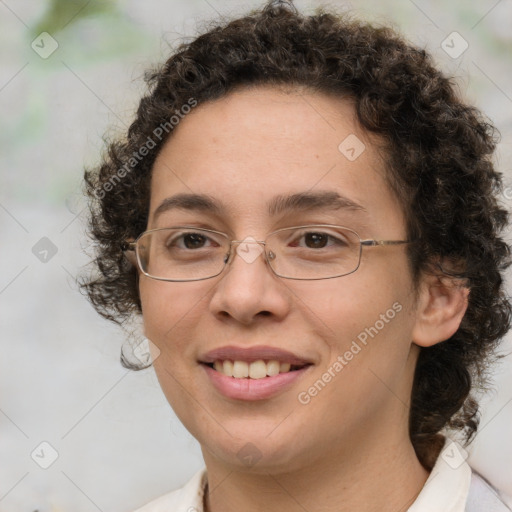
pixel 447 486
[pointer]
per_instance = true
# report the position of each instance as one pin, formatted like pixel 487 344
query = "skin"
pixel 349 447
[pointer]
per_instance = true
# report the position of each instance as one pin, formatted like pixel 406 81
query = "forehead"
pixel 259 143
pixel 293 127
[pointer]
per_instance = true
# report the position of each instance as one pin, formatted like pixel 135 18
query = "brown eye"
pixel 190 241
pixel 316 240
pixel 194 240
pixel 319 240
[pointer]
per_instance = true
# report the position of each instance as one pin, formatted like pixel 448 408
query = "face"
pixel 354 332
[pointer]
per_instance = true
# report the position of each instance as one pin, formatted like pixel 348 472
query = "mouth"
pixel 259 369
pixel 257 362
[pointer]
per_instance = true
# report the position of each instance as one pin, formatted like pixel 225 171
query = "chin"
pixel 259 453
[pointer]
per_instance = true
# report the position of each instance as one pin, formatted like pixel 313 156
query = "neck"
pixel 383 477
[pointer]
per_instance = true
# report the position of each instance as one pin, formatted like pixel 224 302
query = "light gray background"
pixel 119 444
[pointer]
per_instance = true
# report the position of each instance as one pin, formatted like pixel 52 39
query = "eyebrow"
pixel 322 200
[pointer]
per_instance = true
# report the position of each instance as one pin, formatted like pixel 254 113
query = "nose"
pixel 248 289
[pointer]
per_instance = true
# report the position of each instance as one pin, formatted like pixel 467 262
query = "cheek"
pixel 367 341
pixel 169 315
pixel 167 308
pixel 365 318
pixel 156 309
pixel 346 306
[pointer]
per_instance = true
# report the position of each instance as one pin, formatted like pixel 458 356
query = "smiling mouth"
pixel 259 369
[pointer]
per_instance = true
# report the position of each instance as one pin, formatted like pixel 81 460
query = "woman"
pixel 304 214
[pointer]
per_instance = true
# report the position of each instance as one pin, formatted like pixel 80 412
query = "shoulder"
pixel 187 498
pixel 482 497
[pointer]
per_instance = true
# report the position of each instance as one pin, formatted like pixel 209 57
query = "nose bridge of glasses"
pixel 249 249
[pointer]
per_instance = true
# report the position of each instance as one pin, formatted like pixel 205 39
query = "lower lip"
pixel 253 389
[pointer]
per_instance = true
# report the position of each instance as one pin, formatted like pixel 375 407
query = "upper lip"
pixel 251 354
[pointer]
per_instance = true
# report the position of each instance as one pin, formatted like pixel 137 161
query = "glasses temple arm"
pixel 374 243
pixel 128 246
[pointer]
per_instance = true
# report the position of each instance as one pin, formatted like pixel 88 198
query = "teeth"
pixel 240 369
pixel 273 368
pixel 256 370
pixel 285 367
pixel 227 368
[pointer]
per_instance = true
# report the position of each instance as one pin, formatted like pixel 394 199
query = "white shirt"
pixel 451 487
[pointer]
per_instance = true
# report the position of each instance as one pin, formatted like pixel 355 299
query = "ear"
pixel 442 303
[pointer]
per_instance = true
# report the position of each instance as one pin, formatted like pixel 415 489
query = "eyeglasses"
pixel 185 253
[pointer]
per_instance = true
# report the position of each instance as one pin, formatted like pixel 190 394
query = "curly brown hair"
pixel 438 155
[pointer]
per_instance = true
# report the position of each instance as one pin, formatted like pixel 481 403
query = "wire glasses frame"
pixel 353 242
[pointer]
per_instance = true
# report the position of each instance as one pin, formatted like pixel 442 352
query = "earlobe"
pixel 441 305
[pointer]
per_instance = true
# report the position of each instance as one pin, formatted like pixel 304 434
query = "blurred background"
pixel 78 431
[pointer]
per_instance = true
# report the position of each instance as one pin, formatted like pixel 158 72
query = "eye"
pixel 189 240
pixel 318 240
